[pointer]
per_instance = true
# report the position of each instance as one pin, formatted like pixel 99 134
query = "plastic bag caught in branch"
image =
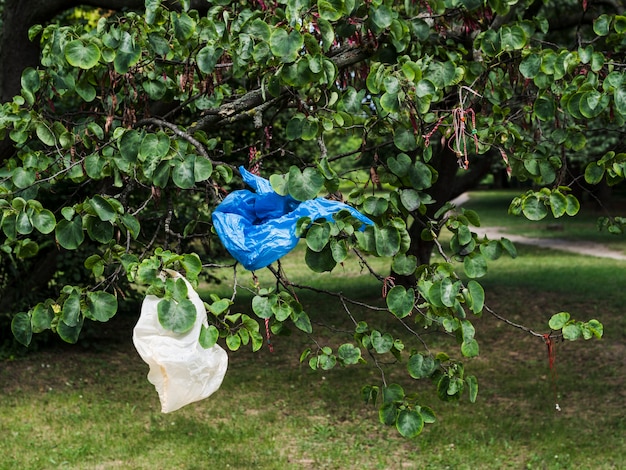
pixel 259 227
pixel 181 370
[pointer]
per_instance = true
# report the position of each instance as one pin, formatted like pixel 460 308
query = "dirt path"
pixel 579 247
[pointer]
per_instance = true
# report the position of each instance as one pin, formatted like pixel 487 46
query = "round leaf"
pixel 70 334
pixel 80 55
pixel 475 265
pixel 409 423
pixel 404 265
pixel 21 328
pixel 420 366
pixel 534 208
pixel 320 262
pixel 44 221
pixel 286 45
pixel 387 241
pixel 349 354
pixel 69 233
pixel 101 306
pixel 183 173
pixel 558 320
pixel 306 184
pixel 400 301
pixel 103 208
pixel 318 236
pixel 178 317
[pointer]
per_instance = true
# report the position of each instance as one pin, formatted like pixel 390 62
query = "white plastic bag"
pixel 181 370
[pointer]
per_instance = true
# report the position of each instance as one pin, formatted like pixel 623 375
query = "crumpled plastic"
pixel 259 227
pixel 181 370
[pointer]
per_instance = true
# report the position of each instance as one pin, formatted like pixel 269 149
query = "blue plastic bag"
pixel 258 227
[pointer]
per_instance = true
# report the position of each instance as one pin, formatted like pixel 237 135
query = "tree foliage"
pixel 130 130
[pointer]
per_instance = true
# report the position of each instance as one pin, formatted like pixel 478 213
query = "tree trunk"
pixel 449 185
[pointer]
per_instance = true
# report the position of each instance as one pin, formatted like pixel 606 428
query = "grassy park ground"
pixel 91 407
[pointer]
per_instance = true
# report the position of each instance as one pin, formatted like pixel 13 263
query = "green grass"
pixel 80 407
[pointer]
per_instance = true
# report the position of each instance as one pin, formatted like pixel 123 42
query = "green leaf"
pixel 513 37
pixel 318 236
pixel 400 301
pixel 387 241
pixel 320 262
pixel 573 206
pixel 219 307
pixel 410 199
pixel 544 108
pixel 208 336
pixel 619 96
pixel 70 334
pixel 558 203
pixel 184 26
pixel 558 320
pixel 129 145
pixel 44 221
pixel 183 172
pixel 70 311
pixel 86 91
pixel 262 306
pixel 98 230
pixel 381 343
pixel 449 291
pixel 178 317
pixel 420 176
pixel 420 366
pixel 154 147
pixel 23 223
pixel 475 265
pixel 69 234
pixel 596 328
pixel 339 250
pixel 594 173
pixel 472 387
pixel 80 55
pixel 388 413
pixel 601 25
pixel 348 354
pixel 409 423
pixel 477 295
pixel 41 318
pixel 132 225
pixel 286 45
pixel 404 139
pixel 572 331
pixel 534 208
pixel 233 342
pixel 467 330
pixel 530 66
pixel 469 348
pixel 192 265
pixel 21 328
pixel 302 321
pixel 403 264
pixel 45 134
pixel 101 306
pixel 207 58
pixel 202 169
pixel 23 178
pixel 103 208
pixel 306 184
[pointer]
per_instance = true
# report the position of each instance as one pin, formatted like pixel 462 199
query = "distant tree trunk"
pixel 448 186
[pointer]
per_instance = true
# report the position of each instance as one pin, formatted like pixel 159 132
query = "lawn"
pixel 90 406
